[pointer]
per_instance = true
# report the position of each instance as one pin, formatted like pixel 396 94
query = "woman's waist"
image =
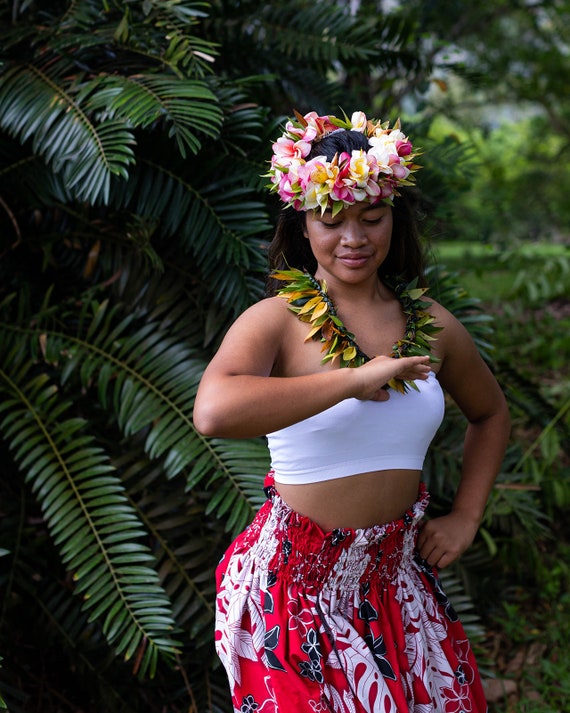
pixel 289 545
pixel 356 501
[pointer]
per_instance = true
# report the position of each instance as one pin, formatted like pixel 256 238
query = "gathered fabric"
pixel 348 621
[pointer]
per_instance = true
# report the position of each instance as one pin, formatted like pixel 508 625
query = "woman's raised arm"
pixel 239 397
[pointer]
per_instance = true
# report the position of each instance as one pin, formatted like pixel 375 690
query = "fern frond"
pixel 309 33
pixel 185 106
pixel 154 383
pixel 219 223
pixel 39 106
pixel 238 469
pixel 149 379
pixel 84 505
pixel 244 121
pixel 185 548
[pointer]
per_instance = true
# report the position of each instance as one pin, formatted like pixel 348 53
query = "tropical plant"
pixel 123 253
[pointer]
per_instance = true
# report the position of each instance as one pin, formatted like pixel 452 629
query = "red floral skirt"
pixel 349 621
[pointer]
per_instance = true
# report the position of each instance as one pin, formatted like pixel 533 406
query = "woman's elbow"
pixel 206 417
pixel 506 418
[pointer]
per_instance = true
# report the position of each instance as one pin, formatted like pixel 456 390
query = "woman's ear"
pixel 304 226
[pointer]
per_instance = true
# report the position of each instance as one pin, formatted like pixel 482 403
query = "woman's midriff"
pixel 356 501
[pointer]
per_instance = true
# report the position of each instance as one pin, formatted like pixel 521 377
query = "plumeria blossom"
pixel 373 175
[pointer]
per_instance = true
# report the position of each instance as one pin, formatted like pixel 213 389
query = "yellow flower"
pixel 359 169
pixel 324 173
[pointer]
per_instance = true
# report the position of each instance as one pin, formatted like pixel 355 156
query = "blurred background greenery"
pixel 133 229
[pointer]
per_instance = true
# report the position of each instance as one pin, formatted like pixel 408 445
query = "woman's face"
pixel 351 246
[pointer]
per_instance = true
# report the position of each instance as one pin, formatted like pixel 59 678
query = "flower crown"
pixel 373 176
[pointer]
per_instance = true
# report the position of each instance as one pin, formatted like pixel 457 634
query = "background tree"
pixel 498 85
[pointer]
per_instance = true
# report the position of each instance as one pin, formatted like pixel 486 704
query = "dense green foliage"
pixel 528 624
pixel 132 139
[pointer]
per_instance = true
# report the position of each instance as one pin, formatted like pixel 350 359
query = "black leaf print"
pixel 272 638
pixel 268 604
pixel 273 661
pixel 367 612
pixel 378 648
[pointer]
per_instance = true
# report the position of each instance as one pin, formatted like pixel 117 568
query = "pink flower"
pixel 305 133
pixel 321 124
pixel 404 147
pixel 286 192
pixel 285 149
pixel 373 189
pixel 341 192
pixel 400 172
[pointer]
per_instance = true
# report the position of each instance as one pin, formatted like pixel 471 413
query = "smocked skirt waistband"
pixel 292 546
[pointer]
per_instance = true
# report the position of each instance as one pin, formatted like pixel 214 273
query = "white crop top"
pixel 357 436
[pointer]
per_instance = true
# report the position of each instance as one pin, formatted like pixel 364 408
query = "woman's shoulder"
pixel 274 308
pixel 269 315
pixel 443 316
pixel 453 336
pixel 460 363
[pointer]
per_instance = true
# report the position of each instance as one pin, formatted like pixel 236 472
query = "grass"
pixel 530 642
pixel 491 273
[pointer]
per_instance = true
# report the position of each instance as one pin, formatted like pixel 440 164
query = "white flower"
pixel 359 169
pixel 358 121
pixel 382 148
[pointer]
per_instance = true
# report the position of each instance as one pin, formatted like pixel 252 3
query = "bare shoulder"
pixel 268 315
pixel 254 341
pixel 463 373
pixel 453 335
pixel 442 315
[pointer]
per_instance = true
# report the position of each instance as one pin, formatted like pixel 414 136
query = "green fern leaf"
pixel 84 505
pixel 38 105
pixel 185 106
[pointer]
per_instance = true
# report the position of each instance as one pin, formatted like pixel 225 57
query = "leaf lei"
pixel 309 300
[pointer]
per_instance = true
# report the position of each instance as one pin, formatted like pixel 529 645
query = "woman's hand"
pixel 374 375
pixel 442 540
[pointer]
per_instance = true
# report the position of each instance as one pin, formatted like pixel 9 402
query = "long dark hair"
pixel 290 247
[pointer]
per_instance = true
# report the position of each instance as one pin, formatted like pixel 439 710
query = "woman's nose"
pixel 352 233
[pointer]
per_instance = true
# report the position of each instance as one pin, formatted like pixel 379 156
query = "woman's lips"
pixel 354 260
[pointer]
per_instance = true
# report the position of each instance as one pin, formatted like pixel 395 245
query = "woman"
pixel 330 601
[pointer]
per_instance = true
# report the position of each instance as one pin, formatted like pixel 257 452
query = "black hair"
pixel 290 247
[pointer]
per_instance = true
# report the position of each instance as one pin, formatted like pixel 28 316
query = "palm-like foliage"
pixel 87 513
pixel 132 139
